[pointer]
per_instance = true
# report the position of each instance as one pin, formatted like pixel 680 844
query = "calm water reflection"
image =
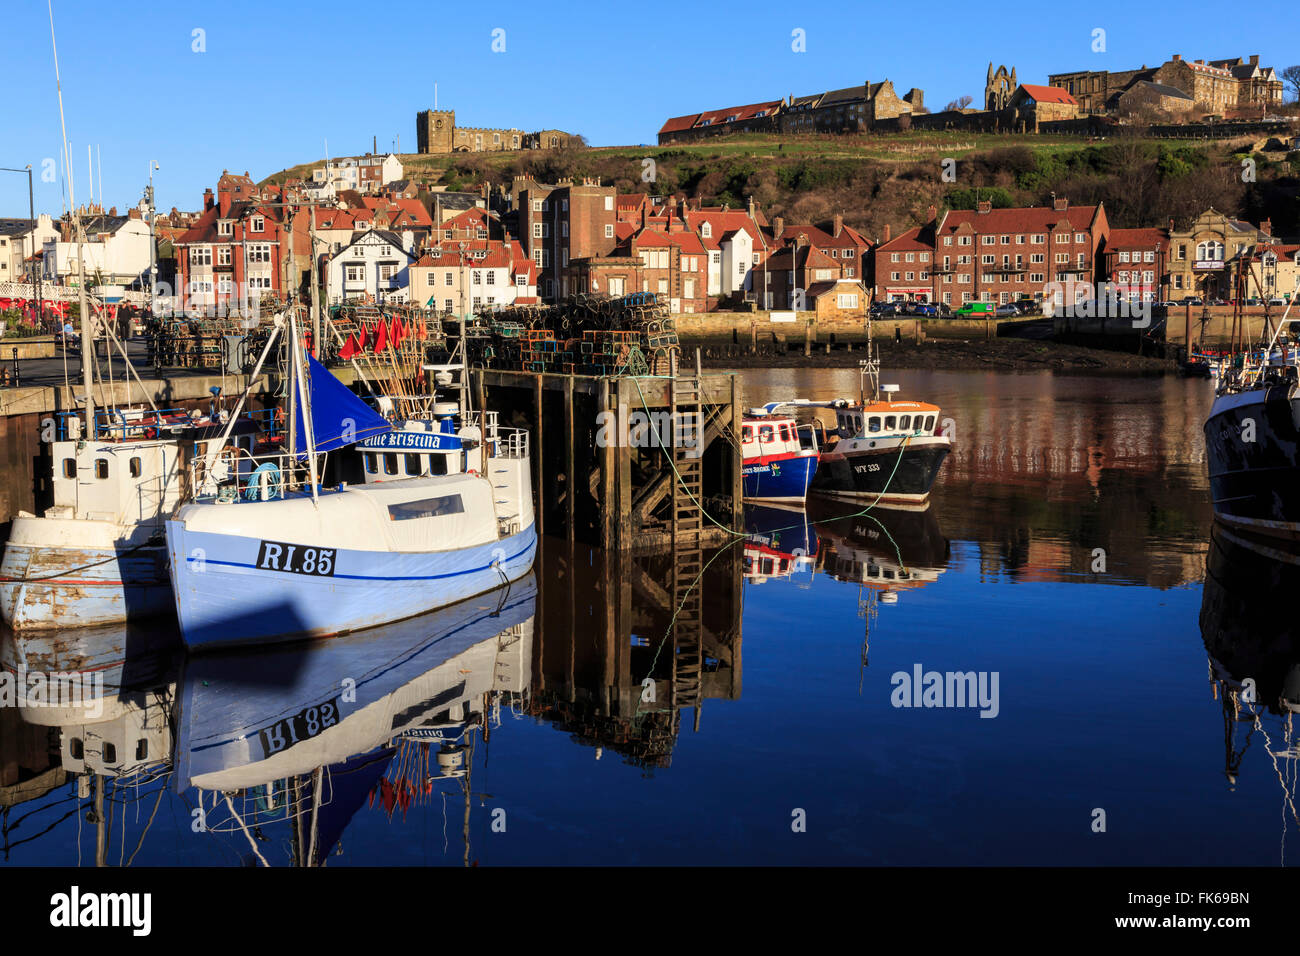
pixel 682 708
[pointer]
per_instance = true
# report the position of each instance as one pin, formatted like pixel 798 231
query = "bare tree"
pixel 1291 80
pixel 960 103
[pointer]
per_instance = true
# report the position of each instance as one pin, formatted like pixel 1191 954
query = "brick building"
pixel 1136 263
pixel 240 242
pixel 993 255
pixel 562 223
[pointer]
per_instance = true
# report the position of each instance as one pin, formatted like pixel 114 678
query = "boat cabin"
pixel 886 420
pixel 135 481
pixel 775 436
pixel 415 449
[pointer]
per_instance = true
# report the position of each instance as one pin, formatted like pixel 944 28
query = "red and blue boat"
pixel 779 455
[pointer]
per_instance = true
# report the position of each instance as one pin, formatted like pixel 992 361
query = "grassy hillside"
pixel 893 179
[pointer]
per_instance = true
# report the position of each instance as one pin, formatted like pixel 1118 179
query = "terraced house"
pixel 994 255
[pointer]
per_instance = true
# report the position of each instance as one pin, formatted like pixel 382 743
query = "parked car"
pixel 974 310
pixel 1254 300
pixel 881 309
pixel 1190 300
pixel 924 309
pixel 1008 311
pixel 1277 300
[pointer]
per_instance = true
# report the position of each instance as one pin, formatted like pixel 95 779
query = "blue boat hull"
pixel 223 599
pixel 782 479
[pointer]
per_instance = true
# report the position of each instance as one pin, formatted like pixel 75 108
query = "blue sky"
pixel 277 80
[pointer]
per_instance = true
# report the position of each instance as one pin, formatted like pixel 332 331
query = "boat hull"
pixel 883 474
pixel 778 478
pixel 1251 445
pixel 224 599
pixel 60 573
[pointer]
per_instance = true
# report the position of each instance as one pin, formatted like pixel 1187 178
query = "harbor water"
pixel 1035 669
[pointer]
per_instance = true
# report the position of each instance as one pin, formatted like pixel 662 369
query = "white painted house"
pixel 365 174
pixel 116 251
pixel 374 266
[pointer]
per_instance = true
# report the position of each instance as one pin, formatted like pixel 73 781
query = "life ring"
pixel 473 473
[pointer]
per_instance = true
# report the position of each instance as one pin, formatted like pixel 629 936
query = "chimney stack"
pixel 1177 57
pixel 1060 205
pixel 749 206
pixel 888 232
pixel 931 213
pixel 983 206
pixel 778 227
pixel 208 202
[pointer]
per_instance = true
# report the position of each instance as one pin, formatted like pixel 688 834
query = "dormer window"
pixel 258 224
pixel 706 231
pixel 224 227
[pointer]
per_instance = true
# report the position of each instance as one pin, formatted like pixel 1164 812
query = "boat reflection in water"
pixel 101 699
pixel 884 552
pixel 1253 643
pixel 780 542
pixel 307 733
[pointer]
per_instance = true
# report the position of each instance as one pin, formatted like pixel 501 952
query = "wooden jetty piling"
pixel 628 463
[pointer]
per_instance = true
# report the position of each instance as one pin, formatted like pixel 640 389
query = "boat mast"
pixel 302 382
pixel 87 343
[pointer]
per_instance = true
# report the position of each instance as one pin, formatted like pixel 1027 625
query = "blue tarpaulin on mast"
pixel 338 417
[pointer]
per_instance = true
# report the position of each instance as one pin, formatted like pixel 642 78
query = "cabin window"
pixel 75 749
pixel 785 433
pixel 891 423
pixel 135 467
pixel 929 423
pixel 69 468
pixel 413 465
pixel 142 749
pixel 438 464
pixel 765 566
pixel 371 464
pixel 101 468
pixel 905 422
pixel 857 422
pixel 110 753
pixel 873 423
pixel 746 435
pixel 426 508
pixel 766 433
pixel 390 463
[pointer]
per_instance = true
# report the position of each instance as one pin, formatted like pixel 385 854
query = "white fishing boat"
pixel 97 556
pixel 267 553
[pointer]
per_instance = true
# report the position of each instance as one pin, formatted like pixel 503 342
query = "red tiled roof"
pixel 1137 239
pixel 689 243
pixel 721 224
pixel 1048 94
pixel 679 123
pixel 905 242
pixel 1025 219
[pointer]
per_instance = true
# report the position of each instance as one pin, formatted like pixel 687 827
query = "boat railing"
pixel 512 443
pixel 236 474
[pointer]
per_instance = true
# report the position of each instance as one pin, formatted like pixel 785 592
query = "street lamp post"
pixel 31 215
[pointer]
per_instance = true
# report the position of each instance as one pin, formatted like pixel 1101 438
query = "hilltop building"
pixel 436 132
pixel 1228 88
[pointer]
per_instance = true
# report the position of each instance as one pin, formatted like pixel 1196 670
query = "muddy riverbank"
pixel 1000 354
